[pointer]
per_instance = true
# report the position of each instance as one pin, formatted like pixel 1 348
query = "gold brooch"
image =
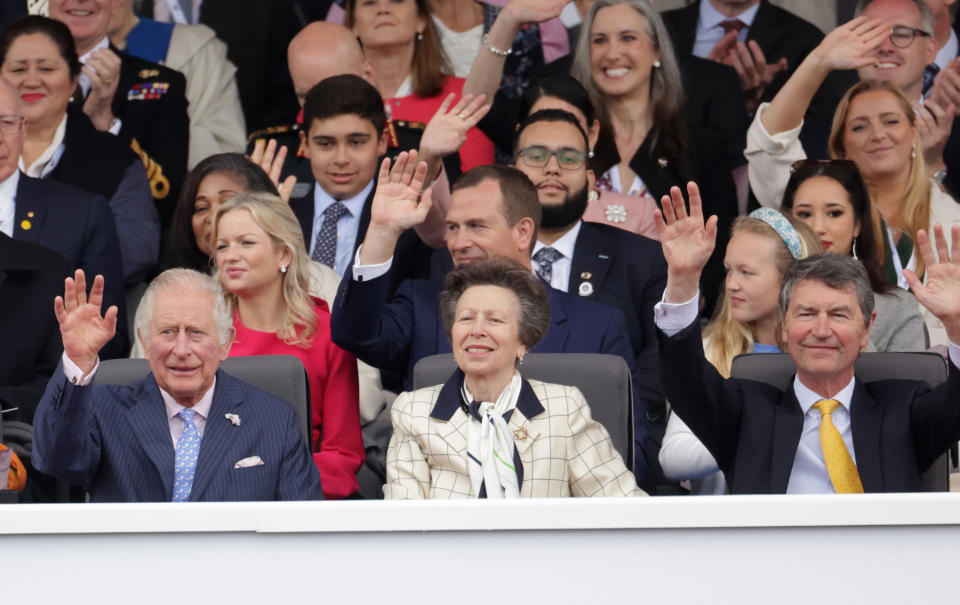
pixel 25 225
pixel 520 434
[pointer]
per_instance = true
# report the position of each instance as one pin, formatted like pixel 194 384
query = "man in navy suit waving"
pixel 186 432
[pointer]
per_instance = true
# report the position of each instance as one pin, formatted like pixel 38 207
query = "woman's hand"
pixel 103 70
pixel 83 330
pixel 850 45
pixel 446 132
pixel 934 124
pixel 270 160
pixel 941 294
pixel 534 11
pixel 686 240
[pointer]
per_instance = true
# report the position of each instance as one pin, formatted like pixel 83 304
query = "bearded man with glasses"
pixel 595 261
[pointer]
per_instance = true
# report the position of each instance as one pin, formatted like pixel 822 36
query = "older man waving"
pixel 829 431
pixel 186 432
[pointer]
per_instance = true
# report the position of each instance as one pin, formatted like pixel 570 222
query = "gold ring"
pixel 462 117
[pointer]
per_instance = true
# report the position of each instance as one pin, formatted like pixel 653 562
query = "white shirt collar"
pixel 710 17
pixel 807 397
pixel 565 244
pixel 36 169
pixel 8 195
pixel 202 407
pixel 948 52
pixel 322 199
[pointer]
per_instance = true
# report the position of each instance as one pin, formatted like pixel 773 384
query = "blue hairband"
pixel 783 228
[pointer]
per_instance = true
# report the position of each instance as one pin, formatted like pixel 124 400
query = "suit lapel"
pixel 452 427
pixel 765 29
pixel 365 215
pixel 148 420
pixel 303 209
pixel 525 422
pixel 865 418
pixel 787 428
pixel 684 32
pixel 555 340
pixel 591 260
pixel 227 398
pixel 29 211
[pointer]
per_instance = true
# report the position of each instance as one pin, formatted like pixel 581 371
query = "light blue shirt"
pixel 709 31
pixel 347 224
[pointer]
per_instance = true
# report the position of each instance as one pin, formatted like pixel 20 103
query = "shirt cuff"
pixel 954 352
pixel 74 374
pixel 368 272
pixel 672 318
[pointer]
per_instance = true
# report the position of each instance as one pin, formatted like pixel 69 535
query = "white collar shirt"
pixel 809 472
pixel 709 30
pixel 8 202
pixel 347 225
pixel 38 167
pixel 948 52
pixel 83 79
pixel 565 245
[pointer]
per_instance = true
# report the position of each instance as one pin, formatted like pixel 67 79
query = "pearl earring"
pixel 657 64
pixel 283 268
pixel 419 36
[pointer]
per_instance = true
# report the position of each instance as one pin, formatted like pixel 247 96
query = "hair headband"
pixel 782 226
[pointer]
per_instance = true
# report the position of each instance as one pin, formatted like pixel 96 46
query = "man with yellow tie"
pixel 828 432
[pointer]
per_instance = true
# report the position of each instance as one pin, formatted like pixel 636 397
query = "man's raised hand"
pixel 687 241
pixel 83 330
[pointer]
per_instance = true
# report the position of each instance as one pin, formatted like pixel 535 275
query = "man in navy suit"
pixel 595 261
pixel 77 224
pixel 186 432
pixel 828 431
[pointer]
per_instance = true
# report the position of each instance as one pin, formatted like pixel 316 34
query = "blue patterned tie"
pixel 929 76
pixel 185 461
pixel 325 248
pixel 544 259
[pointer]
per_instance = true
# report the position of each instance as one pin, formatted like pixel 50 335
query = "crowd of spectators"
pixel 362 184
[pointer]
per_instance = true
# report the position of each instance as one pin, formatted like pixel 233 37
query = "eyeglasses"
pixel 539 156
pixel 10 125
pixel 811 164
pixel 902 36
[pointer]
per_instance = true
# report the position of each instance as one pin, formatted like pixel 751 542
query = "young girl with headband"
pixel 762 246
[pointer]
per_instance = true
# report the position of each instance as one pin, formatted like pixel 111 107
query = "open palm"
pixel 83 330
pixel 396 202
pixel 686 239
pixel 941 292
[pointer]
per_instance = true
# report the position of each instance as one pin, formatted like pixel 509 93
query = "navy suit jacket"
pixel 779 33
pixel 395 335
pixel 753 429
pixel 79 225
pixel 411 255
pixel 115 441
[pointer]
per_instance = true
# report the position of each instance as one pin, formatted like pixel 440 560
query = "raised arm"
pixel 847 47
pixel 687 242
pixel 83 330
pixel 487 69
pixel 397 206
pixel 941 292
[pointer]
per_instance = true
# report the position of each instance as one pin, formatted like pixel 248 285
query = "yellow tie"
pixel 843 472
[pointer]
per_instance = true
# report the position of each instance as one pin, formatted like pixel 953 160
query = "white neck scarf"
pixel 490 446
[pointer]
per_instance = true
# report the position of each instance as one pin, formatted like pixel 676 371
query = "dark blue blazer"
pixel 115 441
pixel 752 429
pixel 79 225
pixel 395 335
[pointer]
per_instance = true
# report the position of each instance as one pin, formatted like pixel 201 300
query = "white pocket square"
pixel 251 461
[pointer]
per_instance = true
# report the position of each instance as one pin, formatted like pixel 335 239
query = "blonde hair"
pixel 298 324
pixel 915 207
pixel 726 337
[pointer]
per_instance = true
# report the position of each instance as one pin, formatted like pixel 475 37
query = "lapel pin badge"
pixel 662 162
pixel 586 275
pixel 26 225
pixel 585 289
pixel 30 214
pixel 520 434
pixel 234 418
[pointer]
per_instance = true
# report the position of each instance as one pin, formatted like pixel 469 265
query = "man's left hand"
pixel 941 294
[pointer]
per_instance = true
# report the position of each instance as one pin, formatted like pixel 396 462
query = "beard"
pixel 556 216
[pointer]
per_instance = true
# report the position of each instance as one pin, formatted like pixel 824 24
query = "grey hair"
pixel 666 85
pixel 838 271
pixel 926 15
pixel 185 279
